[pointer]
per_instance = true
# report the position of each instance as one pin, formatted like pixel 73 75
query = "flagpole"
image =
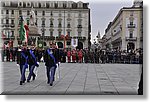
pixel 64 30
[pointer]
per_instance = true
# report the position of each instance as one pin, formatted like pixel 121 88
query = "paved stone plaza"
pixel 102 79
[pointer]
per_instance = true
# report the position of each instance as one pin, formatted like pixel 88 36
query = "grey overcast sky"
pixel 103 12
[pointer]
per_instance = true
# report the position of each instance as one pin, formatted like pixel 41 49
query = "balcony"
pixel 47 38
pixel 10 38
pixel 131 25
pixel 43 25
pixel 79 26
pixel 12 25
pixel 59 38
pixel 6 25
pixel 131 38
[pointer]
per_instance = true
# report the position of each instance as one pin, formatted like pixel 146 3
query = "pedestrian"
pixel 32 61
pixel 77 55
pixel 69 56
pixel 50 63
pixel 7 54
pixel 13 53
pixel 73 55
pixel 80 54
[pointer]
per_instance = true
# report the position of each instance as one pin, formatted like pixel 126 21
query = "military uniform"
pixel 50 63
pixel 23 62
pixel 32 61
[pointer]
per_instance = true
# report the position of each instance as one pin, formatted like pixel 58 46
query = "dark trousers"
pixel 31 73
pixel 23 70
pixel 50 74
pixel 8 57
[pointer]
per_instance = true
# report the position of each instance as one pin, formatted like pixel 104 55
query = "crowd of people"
pixel 84 56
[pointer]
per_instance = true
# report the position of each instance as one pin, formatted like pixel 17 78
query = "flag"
pixel 23 31
pixel 74 42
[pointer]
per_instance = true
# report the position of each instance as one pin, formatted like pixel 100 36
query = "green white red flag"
pixel 23 30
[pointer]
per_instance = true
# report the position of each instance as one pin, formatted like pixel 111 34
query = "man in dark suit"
pixel 32 61
pixel 51 59
pixel 7 54
pixel 23 62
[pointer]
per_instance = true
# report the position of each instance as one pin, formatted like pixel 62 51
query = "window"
pixel 59 24
pixel 20 12
pixel 28 4
pixel 12 33
pixel 51 23
pixel 68 32
pixel 59 33
pixel 28 12
pixel 7 11
pixel 43 32
pixel 131 34
pixel 43 13
pixel 43 23
pixel 51 13
pixel 7 21
pixel 51 33
pixel 12 12
pixel 35 12
pixel 20 4
pixel 131 22
pixel 12 21
pixel 68 25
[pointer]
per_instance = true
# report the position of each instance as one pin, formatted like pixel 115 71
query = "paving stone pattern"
pixel 76 78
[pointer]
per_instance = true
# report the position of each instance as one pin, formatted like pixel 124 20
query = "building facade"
pixel 125 32
pixel 57 21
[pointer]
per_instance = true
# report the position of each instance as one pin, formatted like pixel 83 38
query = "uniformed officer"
pixel 7 54
pixel 32 61
pixel 50 63
pixel 23 62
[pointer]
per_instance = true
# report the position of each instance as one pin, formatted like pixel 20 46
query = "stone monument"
pixel 33 29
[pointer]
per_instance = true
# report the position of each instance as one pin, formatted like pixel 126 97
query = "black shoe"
pixel 28 81
pixel 34 77
pixel 20 82
pixel 23 81
pixel 51 84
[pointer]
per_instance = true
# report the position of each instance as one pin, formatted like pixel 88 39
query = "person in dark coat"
pixel 32 61
pixel 23 62
pixel 50 63
pixel 7 54
pixel 13 52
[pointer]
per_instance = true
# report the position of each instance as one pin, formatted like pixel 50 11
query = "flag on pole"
pixel 23 30
pixel 74 42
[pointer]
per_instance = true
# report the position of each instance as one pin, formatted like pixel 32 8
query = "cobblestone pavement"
pixel 76 78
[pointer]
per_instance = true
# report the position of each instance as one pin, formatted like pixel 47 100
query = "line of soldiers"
pixel 104 56
pixel 27 58
pixel 86 56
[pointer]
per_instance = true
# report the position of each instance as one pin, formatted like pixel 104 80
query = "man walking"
pixel 50 63
pixel 32 64
pixel 23 62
